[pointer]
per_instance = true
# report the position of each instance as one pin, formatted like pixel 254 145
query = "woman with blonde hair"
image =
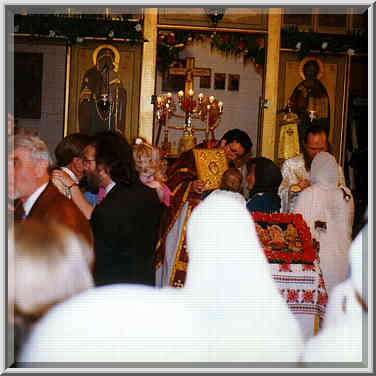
pixel 48 264
pixel 151 167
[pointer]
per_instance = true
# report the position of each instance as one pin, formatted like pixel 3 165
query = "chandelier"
pixel 207 110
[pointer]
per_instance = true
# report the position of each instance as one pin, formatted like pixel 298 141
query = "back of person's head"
pixel 114 153
pixel 268 176
pixel 30 140
pixel 49 266
pixel 148 159
pixel 231 180
pixel 324 171
pixel 71 147
pixel 239 136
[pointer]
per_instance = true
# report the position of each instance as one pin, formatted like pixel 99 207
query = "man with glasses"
pixel 69 159
pixel 86 192
pixel 187 191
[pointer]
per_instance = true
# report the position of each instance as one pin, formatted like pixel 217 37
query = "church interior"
pixel 178 77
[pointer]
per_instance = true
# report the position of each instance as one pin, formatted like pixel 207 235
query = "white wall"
pixel 240 107
pixel 51 124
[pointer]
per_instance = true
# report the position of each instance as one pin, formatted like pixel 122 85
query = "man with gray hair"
pixel 29 184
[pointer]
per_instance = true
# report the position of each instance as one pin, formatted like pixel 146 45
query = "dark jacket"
pixel 125 226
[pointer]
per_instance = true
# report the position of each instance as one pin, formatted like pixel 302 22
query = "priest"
pixel 171 257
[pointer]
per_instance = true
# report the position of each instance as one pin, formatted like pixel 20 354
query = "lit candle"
pixel 180 93
pixel 167 106
pixel 159 99
pixel 190 92
pixel 169 95
pixel 201 96
pixel 211 99
pixel 208 107
pixel 220 107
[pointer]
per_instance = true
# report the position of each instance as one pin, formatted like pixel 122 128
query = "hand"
pixel 198 186
pixel 62 177
pixel 303 184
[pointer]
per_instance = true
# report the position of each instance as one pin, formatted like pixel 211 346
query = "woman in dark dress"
pixel 264 178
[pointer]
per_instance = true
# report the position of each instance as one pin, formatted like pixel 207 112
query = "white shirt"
pixel 109 187
pixel 28 204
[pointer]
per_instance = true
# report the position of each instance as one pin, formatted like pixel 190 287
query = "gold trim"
pixel 67 79
pixel 306 60
pixel 176 189
pixel 113 49
pixel 180 246
pixel 185 197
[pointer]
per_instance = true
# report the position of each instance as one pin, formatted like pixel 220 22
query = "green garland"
pixel 171 43
pixel 75 28
pixel 251 47
pixel 304 43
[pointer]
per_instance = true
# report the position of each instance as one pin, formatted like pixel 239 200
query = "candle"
pixel 208 107
pixel 220 107
pixel 167 106
pixel 180 93
pixel 159 99
pixel 201 96
pixel 190 92
pixel 169 95
pixel 211 99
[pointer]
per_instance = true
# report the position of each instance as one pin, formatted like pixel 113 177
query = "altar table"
pixel 303 289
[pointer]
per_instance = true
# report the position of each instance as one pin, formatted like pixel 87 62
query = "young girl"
pixel 151 168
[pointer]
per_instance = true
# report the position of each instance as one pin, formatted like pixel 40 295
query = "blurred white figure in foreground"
pixel 229 309
pixel 341 339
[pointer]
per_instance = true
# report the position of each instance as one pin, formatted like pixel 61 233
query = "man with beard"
pixel 296 170
pixel 92 192
pixel 125 222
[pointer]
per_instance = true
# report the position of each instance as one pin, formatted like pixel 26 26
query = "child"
pixel 151 168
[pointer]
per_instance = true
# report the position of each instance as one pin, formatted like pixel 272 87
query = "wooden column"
pixel 148 73
pixel 269 137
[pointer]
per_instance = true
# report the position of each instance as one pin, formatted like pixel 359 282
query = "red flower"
pixel 308 267
pixel 308 296
pixel 322 283
pixel 292 296
pixel 171 38
pixel 284 268
pixel 242 45
pixel 322 298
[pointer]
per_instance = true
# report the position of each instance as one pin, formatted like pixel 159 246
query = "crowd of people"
pixel 101 239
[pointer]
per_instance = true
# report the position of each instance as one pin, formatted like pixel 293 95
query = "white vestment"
pixel 228 310
pixel 293 170
pixel 325 204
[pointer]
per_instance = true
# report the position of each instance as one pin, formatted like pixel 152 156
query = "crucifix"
pixel 189 72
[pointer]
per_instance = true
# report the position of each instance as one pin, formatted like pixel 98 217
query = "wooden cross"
pixel 189 72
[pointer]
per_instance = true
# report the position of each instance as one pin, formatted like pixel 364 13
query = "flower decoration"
pixel 138 27
pixel 111 34
pixel 249 47
pixel 324 45
pixel 51 34
pixel 79 39
pixel 298 46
